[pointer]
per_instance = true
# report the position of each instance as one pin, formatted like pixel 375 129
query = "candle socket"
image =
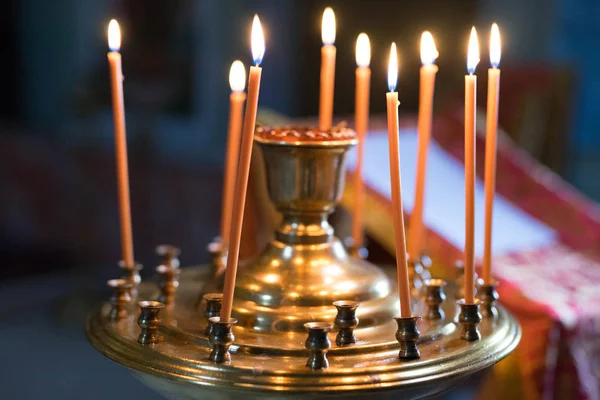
pixel 488 296
pixel 345 321
pixel 317 344
pixel 213 308
pixel 469 318
pixel 168 284
pixel 434 298
pixel 120 298
pixel 132 275
pixel 218 261
pixel 149 322
pixel 407 335
pixel 168 255
pixel 418 273
pixel 221 338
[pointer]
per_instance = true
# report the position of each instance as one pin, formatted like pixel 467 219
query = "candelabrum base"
pixel 272 365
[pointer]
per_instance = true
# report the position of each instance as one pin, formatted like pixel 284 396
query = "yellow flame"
pixel 363 50
pixel 328 26
pixel 429 52
pixel 473 54
pixel 392 76
pixel 237 76
pixel 114 35
pixel 495 46
pixel 257 41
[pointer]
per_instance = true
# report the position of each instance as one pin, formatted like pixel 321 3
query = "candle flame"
pixel 114 35
pixel 473 54
pixel 257 41
pixel 429 52
pixel 363 50
pixel 237 76
pixel 328 27
pixel 495 46
pixel 392 76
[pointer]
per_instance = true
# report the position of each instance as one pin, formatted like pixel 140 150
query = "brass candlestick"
pixel 149 322
pixel 221 338
pixel 213 308
pixel 317 344
pixel 408 335
pixel 168 255
pixel 345 321
pixel 489 296
pixel 434 297
pixel 120 298
pixel 132 275
pixel 168 284
pixel 469 318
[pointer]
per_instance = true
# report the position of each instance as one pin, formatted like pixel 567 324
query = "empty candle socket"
pixel 434 298
pixel 221 338
pixel 169 282
pixel 408 335
pixel 488 296
pixel 469 318
pixel 345 321
pixel 317 344
pixel 213 308
pixel 120 298
pixel 149 322
pixel 168 255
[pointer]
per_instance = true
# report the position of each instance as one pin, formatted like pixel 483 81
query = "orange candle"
pixel 239 199
pixel 470 104
pixel 398 214
pixel 428 71
pixel 116 83
pixel 237 81
pixel 327 70
pixel 490 149
pixel 361 124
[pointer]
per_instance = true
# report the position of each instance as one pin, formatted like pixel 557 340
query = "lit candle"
pixel 428 71
pixel 490 148
pixel 361 123
pixel 327 69
pixel 470 104
pixel 239 199
pixel 237 81
pixel 116 83
pixel 397 212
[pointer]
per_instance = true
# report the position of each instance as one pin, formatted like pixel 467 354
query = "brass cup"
pixel 120 298
pixel 168 284
pixel 213 308
pixel 408 335
pixel 345 321
pixel 149 322
pixel 469 318
pixel 488 296
pixel 434 298
pixel 221 338
pixel 317 344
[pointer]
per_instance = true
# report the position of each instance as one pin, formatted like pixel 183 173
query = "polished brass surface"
pixel 213 303
pixel 345 321
pixel 168 255
pixel 408 335
pixel 169 282
pixel 120 298
pixel 469 318
pixel 149 321
pixel 488 296
pixel 221 338
pixel 317 343
pixel 434 297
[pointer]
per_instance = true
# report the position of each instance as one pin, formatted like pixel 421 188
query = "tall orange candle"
pixel 239 199
pixel 327 69
pixel 490 149
pixel 398 213
pixel 428 71
pixel 116 83
pixel 237 81
pixel 361 124
pixel 470 104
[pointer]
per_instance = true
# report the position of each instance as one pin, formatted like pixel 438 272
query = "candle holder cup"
pixel 317 344
pixel 469 318
pixel 489 296
pixel 345 321
pixel 408 335
pixel 120 298
pixel 434 298
pixel 221 338
pixel 213 308
pixel 149 322
pixel 132 275
pixel 168 255
pixel 169 284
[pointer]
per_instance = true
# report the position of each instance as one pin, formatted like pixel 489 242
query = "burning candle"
pixel 398 214
pixel 327 69
pixel 361 123
pixel 239 199
pixel 490 148
pixel 428 71
pixel 116 83
pixel 470 104
pixel 237 81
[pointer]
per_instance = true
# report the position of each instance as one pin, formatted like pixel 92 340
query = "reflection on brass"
pixel 213 308
pixel 120 298
pixel 469 318
pixel 149 322
pixel 434 297
pixel 169 282
pixel 408 335
pixel 345 321
pixel 488 296
pixel 221 338
pixel 168 255
pixel 317 344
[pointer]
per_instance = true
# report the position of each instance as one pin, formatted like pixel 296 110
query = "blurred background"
pixel 59 234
